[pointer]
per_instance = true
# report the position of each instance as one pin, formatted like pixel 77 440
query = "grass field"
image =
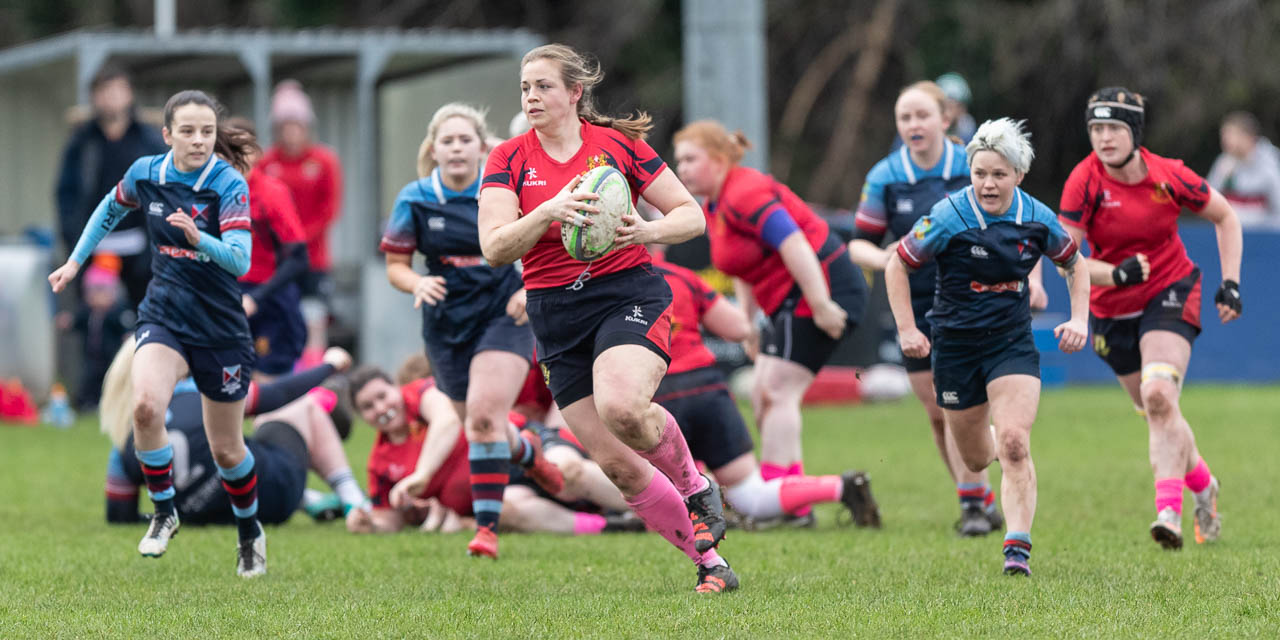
pixel 64 573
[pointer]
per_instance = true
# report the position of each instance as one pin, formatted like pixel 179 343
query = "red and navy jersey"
pixel 752 204
pixel 190 295
pixel 522 166
pixel 691 298
pixel 1121 220
pixel 315 181
pixel 275 224
pixel 390 462
pixel 984 259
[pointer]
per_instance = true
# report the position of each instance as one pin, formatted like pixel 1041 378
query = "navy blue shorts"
pixel 573 326
pixel 798 338
pixel 279 332
pixel 965 361
pixel 222 375
pixel 709 418
pixel 451 363
pixel 1176 309
pixel 281 462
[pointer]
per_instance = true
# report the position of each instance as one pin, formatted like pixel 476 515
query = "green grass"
pixel 64 573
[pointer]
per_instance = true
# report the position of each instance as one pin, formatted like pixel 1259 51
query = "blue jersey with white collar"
pixel 984 259
pixel 898 192
pixel 440 223
pixel 197 300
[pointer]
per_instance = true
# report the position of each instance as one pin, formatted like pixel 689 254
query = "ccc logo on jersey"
pixel 1163 193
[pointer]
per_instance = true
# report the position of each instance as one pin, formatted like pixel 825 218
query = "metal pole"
pixel 166 18
pixel 724 69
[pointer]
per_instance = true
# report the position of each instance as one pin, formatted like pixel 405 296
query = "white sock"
pixel 348 490
pixel 756 498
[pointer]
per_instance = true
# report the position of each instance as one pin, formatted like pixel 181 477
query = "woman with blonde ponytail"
pixel 473 320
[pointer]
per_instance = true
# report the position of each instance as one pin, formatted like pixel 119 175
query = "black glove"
pixel 1128 273
pixel 1229 295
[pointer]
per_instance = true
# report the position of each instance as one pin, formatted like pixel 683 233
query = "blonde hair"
pixel 715 139
pixel 1007 137
pixel 931 89
pixel 426 162
pixel 115 411
pixel 577 70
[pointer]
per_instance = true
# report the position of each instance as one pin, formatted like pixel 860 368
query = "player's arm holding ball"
pixel 681 220
pixel 505 235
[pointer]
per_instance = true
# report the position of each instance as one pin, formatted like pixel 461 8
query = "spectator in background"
pixel 99 152
pixel 314 177
pixel 1248 171
pixel 102 322
pixel 958 95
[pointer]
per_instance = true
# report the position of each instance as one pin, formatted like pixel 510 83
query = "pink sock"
pixel 769 471
pixel 1169 494
pixel 797 470
pixel 587 524
pixel 663 510
pixel 672 457
pixel 802 491
pixel 326 398
pixel 1198 478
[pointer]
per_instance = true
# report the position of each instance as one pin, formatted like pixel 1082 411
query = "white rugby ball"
pixel 587 243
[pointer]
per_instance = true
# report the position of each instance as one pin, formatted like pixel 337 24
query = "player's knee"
pixel 624 419
pixel 480 427
pixel 573 471
pixel 147 411
pixel 1015 448
pixel 226 456
pixel 1158 399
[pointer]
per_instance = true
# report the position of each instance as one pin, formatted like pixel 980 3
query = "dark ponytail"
pixel 235 142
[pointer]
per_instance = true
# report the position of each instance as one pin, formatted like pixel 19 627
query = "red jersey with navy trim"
pixel 275 224
pixel 735 224
pixel 314 179
pixel 390 462
pixel 691 298
pixel 1121 220
pixel 522 166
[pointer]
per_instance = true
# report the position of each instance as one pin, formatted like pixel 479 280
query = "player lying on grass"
pixel 294 430
pixel 419 475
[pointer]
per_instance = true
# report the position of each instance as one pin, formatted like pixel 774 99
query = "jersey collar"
pixel 977 209
pixel 204 174
pixel 908 167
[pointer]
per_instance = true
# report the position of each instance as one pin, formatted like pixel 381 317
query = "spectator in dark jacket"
pixel 99 152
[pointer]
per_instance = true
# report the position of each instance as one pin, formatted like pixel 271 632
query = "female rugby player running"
pixel 191 321
pixel 602 328
pixel 473 319
pixel 899 190
pixel 785 262
pixel 986 239
pixel 1144 310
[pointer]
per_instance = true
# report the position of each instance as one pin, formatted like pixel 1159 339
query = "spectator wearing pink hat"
pixel 314 177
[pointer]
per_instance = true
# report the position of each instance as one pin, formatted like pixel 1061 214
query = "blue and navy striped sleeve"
pixel 399 236
pixel 929 236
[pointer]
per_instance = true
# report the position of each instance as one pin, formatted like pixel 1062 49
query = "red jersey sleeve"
pixel 646 165
pixel 501 170
pixel 704 296
pixel 379 485
pixel 282 215
pixel 1080 196
pixel 1186 186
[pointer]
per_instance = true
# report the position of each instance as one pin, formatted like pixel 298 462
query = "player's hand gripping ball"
pixel 588 242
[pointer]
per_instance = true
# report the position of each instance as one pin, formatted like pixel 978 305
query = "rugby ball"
pixel 587 243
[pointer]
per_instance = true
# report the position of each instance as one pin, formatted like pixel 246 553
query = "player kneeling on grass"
pixel 419 474
pixel 986 239
pixel 294 430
